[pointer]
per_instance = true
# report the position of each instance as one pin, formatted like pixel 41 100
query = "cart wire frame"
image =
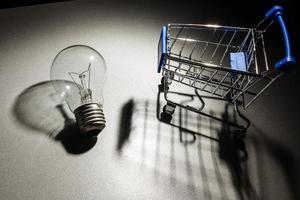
pixel 228 62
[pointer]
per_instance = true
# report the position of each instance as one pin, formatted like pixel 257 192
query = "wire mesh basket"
pixel 228 62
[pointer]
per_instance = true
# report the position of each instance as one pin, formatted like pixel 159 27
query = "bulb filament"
pixel 82 81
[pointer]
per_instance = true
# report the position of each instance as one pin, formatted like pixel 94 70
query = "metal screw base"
pixel 90 118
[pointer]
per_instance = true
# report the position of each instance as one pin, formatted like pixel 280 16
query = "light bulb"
pixel 78 76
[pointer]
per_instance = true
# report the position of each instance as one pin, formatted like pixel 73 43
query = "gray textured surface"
pixel 153 164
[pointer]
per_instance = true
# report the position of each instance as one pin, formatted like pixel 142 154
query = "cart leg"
pixel 240 134
pixel 165 86
pixel 167 112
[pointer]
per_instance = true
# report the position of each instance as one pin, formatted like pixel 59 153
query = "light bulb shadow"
pixel 38 108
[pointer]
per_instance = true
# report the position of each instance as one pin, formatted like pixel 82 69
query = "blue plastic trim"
pixel 274 11
pixel 288 60
pixel 162 48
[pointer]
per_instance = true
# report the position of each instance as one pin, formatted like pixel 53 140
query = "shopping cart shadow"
pixel 38 108
pixel 233 152
pixel 209 140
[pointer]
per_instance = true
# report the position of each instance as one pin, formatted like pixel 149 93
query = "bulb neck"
pixel 90 119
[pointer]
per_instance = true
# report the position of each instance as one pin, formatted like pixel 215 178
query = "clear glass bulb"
pixel 78 76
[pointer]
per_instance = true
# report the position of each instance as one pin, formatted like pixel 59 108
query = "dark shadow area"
pixel 125 124
pixel 283 157
pixel 39 108
pixel 21 3
pixel 232 150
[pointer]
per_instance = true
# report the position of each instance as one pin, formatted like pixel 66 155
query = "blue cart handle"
pixel 162 48
pixel 288 60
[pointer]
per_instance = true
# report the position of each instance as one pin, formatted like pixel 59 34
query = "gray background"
pixel 40 159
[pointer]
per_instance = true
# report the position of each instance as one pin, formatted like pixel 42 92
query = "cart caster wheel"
pixel 164 86
pixel 162 80
pixel 165 117
pixel 240 135
pixel 169 109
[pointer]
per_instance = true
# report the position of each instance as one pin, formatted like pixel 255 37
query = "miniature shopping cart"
pixel 229 63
